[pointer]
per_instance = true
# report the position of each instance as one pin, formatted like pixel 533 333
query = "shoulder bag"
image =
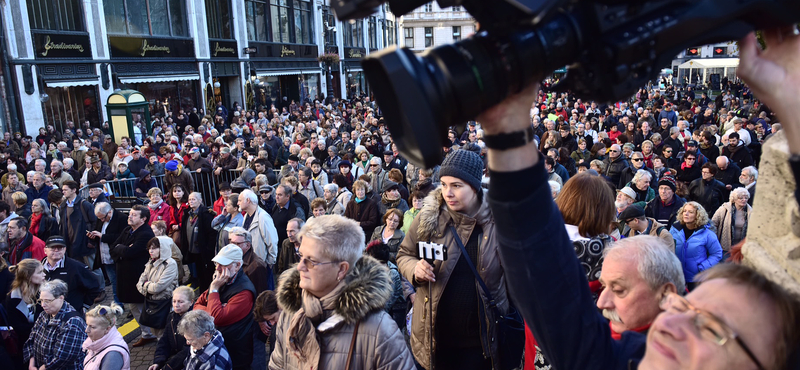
pixel 155 312
pixel 510 327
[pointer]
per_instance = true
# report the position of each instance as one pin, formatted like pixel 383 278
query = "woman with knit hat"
pixel 466 334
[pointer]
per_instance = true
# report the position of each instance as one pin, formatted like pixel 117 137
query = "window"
pixel 456 33
pixel 257 24
pixel 279 14
pixel 61 15
pixel 143 17
pixel 302 22
pixel 389 34
pixel 329 26
pixel 219 17
pixel 428 7
pixel 409 35
pixel 354 34
pixel 373 33
pixel 457 8
pixel 428 37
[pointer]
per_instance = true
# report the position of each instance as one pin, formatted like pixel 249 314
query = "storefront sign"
pixel 150 47
pixel 354 53
pixel 53 45
pixel 250 50
pixel 223 49
pixel 270 50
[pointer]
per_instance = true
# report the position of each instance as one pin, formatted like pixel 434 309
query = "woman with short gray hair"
pixel 731 219
pixel 338 304
pixel 58 333
pixel 332 206
pixel 206 347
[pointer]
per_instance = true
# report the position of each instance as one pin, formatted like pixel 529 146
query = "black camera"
pixel 612 47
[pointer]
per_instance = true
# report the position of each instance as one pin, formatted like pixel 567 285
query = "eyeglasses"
pixel 614 151
pixel 710 327
pixel 373 165
pixel 636 159
pixel 668 151
pixel 311 264
pixel 46 301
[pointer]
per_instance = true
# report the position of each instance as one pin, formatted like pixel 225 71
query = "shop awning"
pixel 157 78
pixel 710 63
pixel 70 83
pixel 287 72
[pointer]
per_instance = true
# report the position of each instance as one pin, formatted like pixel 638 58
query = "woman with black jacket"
pixel 171 349
pixel 199 239
pixel 20 303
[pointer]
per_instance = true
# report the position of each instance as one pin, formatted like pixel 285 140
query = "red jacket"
pixel 160 213
pixel 236 309
pixel 219 205
pixel 29 247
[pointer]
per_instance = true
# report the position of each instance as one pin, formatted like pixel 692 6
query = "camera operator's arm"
pixel 773 75
pixel 546 282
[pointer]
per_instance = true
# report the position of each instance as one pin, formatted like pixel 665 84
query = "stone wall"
pixel 773 233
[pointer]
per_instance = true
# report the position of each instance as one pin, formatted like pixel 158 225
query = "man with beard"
pixel 737 152
pixel 708 146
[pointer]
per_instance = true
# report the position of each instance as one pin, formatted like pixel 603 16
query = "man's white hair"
pixel 655 262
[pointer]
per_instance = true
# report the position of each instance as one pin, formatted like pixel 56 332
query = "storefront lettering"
pixel 147 47
pixel 49 45
pixel 286 51
pixel 218 49
pixel 355 54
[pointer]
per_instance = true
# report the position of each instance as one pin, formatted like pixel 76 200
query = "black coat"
pixel 130 254
pixel 710 194
pixel 82 283
pixel 118 223
pixel 48 226
pixel 77 244
pixel 171 349
pixel 365 213
pixel 206 235
pixel 740 155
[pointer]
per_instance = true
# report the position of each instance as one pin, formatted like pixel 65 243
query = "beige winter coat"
pixel 379 343
pixel 432 224
pixel 160 277
pixel 722 221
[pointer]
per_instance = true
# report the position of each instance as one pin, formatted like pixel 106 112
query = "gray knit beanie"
pixel 465 165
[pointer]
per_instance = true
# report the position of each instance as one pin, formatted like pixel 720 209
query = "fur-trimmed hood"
pixel 368 287
pixel 434 205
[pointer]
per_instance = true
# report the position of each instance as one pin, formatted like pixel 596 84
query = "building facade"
pixel 430 26
pixel 65 57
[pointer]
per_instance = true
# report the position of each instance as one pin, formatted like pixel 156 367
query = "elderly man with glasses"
pixel 229 300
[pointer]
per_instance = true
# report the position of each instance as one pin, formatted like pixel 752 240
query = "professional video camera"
pixel 612 48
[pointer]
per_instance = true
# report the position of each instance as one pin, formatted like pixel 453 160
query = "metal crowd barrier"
pixel 122 193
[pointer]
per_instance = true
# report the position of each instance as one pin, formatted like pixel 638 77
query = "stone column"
pixel 773 233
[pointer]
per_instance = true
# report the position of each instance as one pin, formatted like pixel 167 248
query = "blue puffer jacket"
pixel 702 251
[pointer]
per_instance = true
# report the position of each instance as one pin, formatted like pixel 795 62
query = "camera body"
pixel 611 48
pixel 432 251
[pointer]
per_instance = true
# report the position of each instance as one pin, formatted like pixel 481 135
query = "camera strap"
pixel 492 304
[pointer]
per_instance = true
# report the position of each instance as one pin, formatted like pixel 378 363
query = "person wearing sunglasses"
pixel 615 163
pixel 334 299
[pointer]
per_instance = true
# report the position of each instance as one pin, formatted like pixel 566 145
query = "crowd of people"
pixel 311 256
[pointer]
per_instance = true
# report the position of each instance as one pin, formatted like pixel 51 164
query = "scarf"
pixel 359 200
pixel 155 206
pixel 301 338
pixel 684 166
pixel 618 336
pixel 35 219
pixel 733 221
pixel 388 202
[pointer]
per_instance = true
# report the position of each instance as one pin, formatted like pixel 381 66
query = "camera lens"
pixel 421 96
